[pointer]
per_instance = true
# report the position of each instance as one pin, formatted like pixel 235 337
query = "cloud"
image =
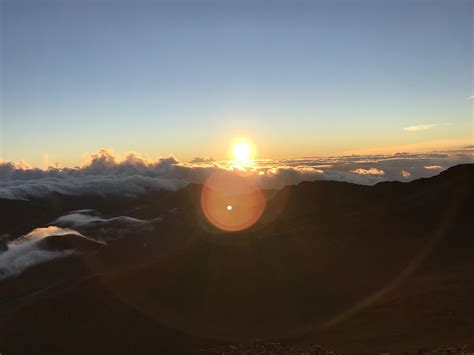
pixel 23 253
pixel 419 127
pixel 199 160
pixel 70 184
pixel 90 222
pixel 471 97
pixel 405 174
pixel 30 249
pixel 371 171
pixel 107 174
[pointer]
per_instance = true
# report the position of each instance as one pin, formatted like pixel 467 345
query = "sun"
pixel 241 151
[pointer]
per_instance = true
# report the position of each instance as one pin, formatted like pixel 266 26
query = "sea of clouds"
pixel 105 173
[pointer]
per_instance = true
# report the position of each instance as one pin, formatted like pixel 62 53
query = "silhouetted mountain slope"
pixel 379 268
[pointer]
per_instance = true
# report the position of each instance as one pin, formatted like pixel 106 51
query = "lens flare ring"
pixel 231 202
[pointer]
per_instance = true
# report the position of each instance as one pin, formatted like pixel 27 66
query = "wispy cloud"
pixel 90 222
pixel 471 97
pixel 419 127
pixel 25 252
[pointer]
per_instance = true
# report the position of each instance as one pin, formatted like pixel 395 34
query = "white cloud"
pixel 91 223
pixel 419 127
pixel 67 184
pixel 23 252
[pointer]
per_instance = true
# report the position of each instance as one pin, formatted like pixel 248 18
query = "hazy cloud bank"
pixel 104 173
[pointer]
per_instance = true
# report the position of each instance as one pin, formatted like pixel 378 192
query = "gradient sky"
pixel 187 77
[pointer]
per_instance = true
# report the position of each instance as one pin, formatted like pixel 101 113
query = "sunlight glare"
pixel 241 151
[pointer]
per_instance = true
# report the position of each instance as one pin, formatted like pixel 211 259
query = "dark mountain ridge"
pixel 357 268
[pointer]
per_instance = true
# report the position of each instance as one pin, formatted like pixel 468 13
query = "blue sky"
pixel 185 78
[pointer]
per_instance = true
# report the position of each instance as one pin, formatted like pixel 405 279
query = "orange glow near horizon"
pixel 230 202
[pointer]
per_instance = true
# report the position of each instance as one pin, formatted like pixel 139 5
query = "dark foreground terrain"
pixel 354 269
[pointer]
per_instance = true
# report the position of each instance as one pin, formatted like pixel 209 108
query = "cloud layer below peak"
pixel 105 173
